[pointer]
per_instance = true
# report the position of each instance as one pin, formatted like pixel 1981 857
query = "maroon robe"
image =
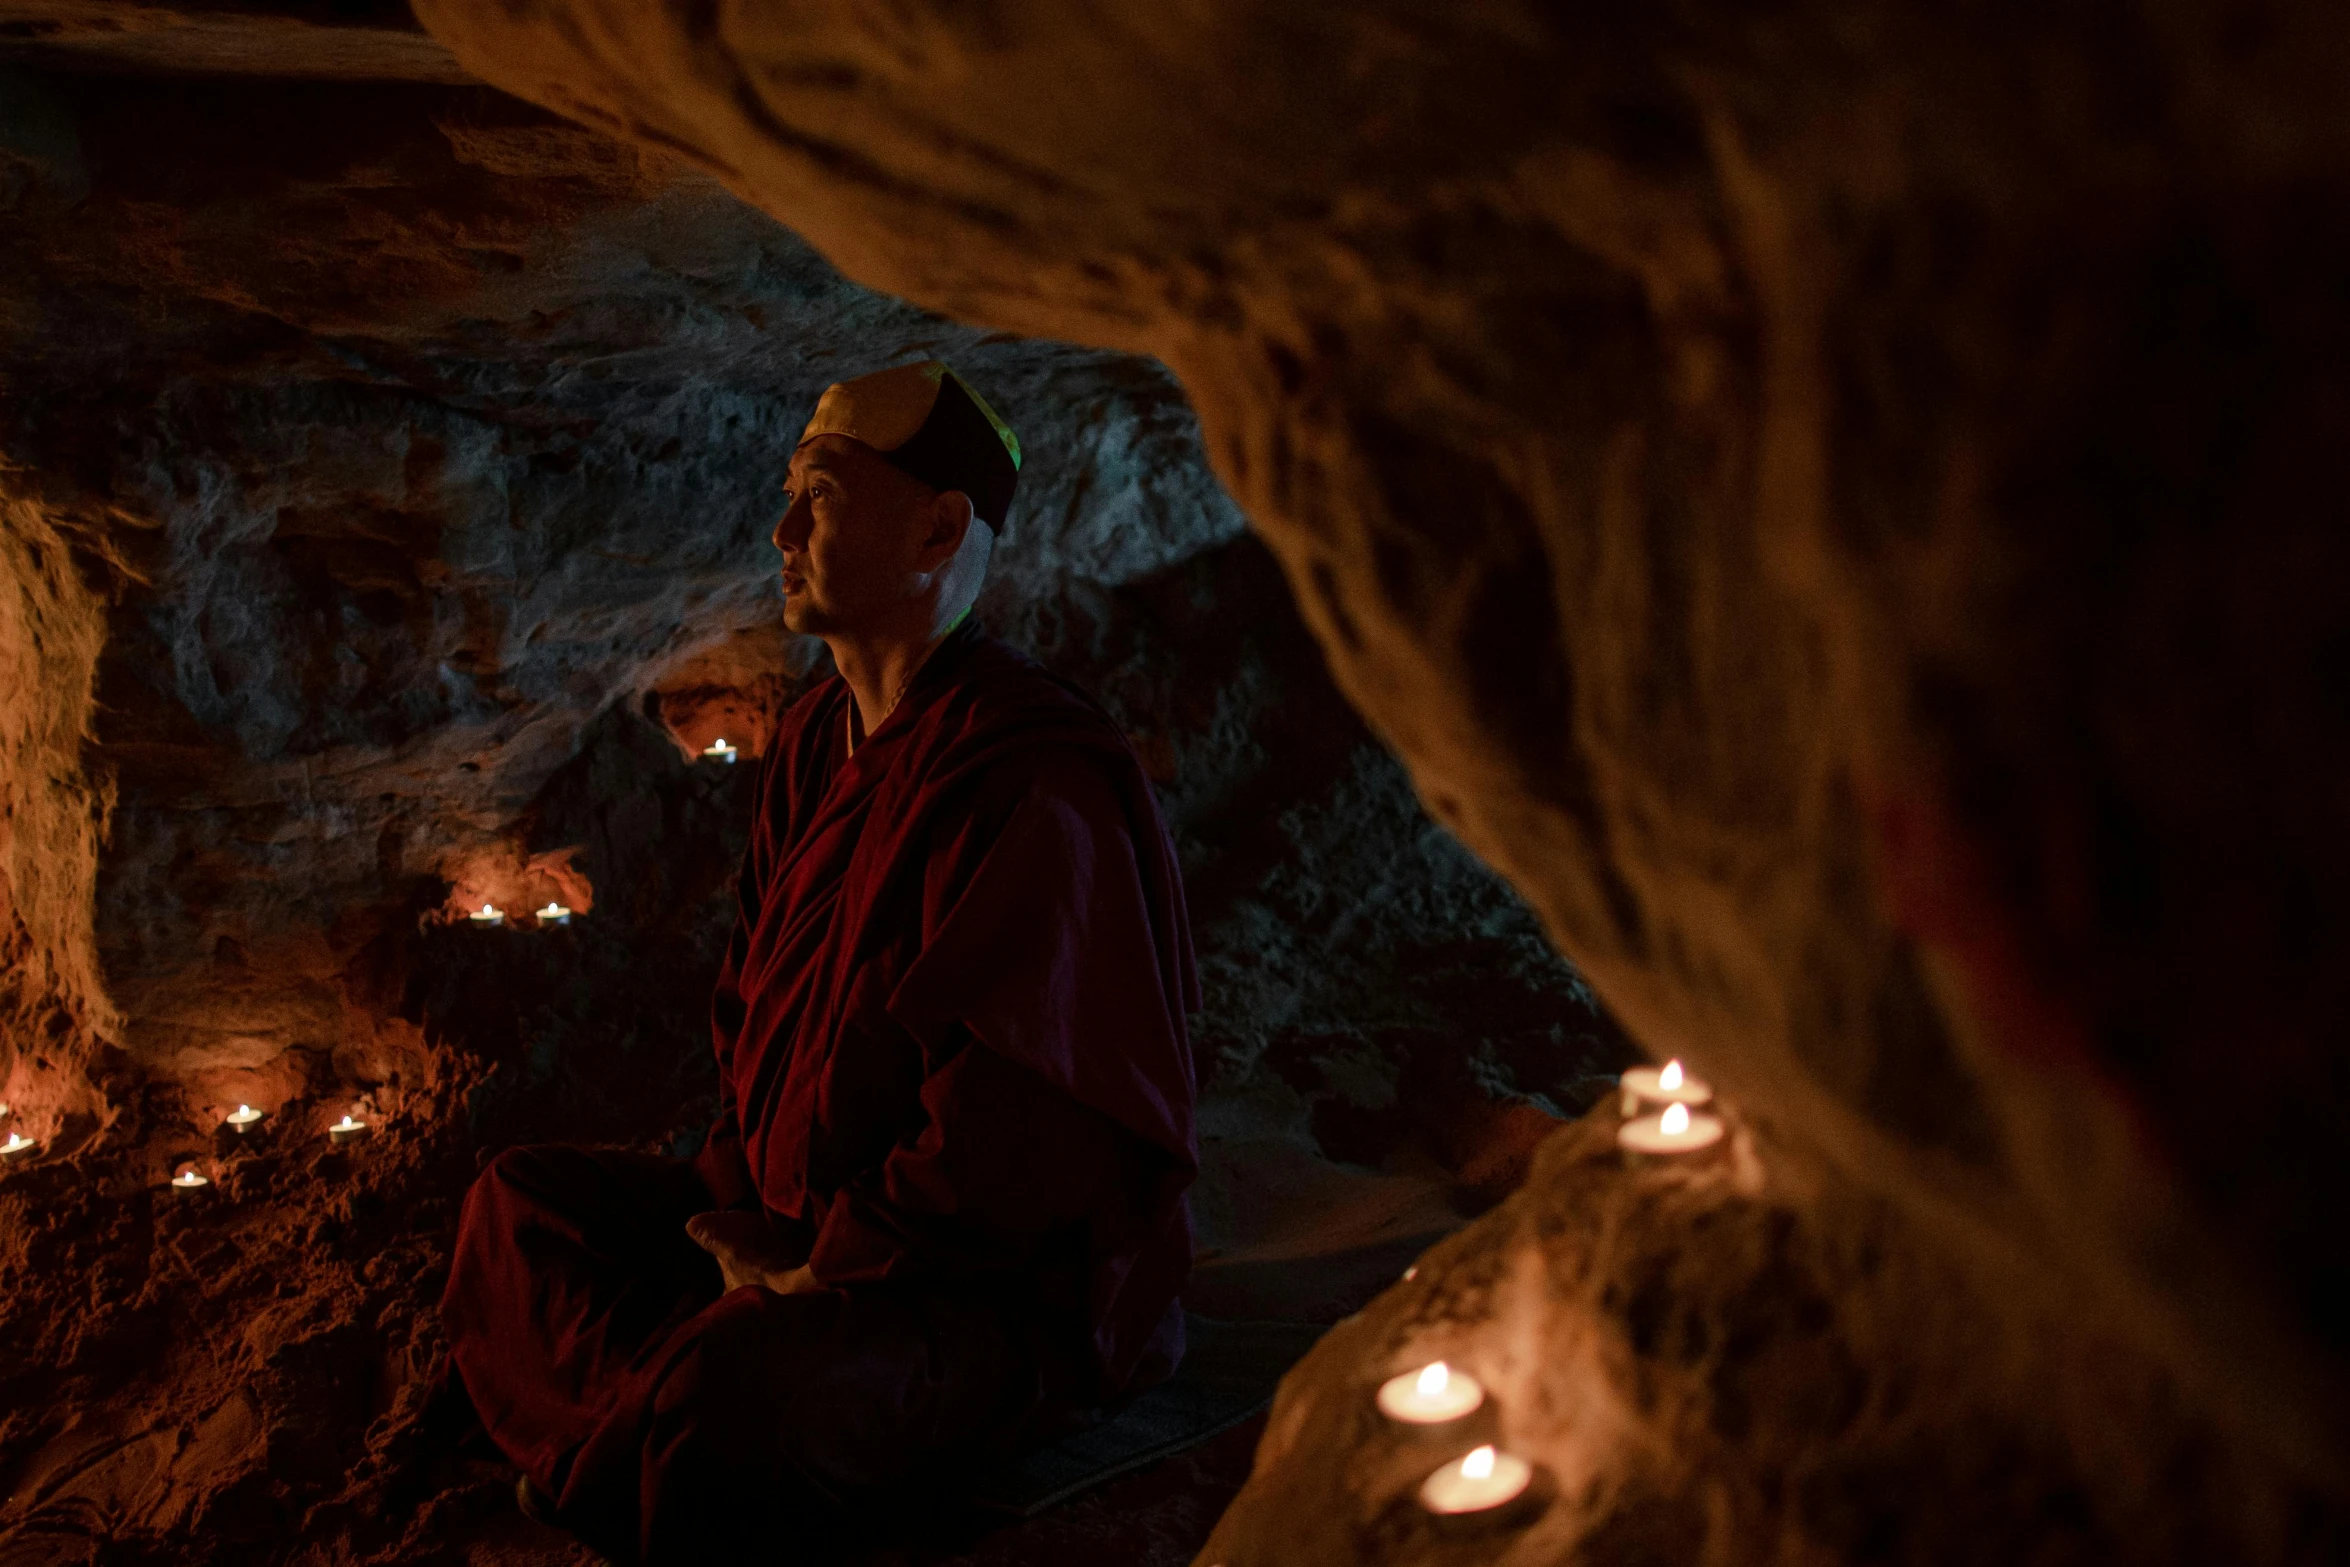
pixel 950 1030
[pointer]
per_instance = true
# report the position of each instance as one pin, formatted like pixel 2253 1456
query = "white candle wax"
pixel 346 1129
pixel 553 914
pixel 1669 1084
pixel 1430 1396
pixel 1476 1483
pixel 720 749
pixel 488 914
pixel 17 1146
pixel 245 1116
pixel 188 1180
pixel 1677 1130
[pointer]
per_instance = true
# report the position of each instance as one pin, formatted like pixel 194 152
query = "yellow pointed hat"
pixel 925 420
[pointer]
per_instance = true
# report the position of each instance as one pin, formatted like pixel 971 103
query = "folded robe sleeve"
pixel 1038 984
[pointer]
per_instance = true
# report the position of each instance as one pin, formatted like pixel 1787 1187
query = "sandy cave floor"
pixel 244 1371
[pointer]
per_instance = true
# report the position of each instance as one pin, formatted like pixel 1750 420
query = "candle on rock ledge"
pixel 346 1129
pixel 718 750
pixel 189 1179
pixel 553 914
pixel 1478 1482
pixel 1430 1396
pixel 1677 1130
pixel 1665 1085
pixel 245 1116
pixel 17 1146
pixel 488 914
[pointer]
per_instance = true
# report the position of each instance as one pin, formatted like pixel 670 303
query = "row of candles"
pixel 1486 1478
pixel 188 1177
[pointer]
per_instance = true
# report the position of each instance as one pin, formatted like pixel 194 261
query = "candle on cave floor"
pixel 17 1146
pixel 488 914
pixel 188 1179
pixel 1669 1084
pixel 719 750
pixel 1677 1130
pixel 245 1116
pixel 1430 1396
pixel 346 1129
pixel 553 914
pixel 1477 1482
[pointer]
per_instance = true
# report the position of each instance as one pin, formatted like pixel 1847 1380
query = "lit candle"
pixel 720 750
pixel 1665 1085
pixel 553 914
pixel 1430 1396
pixel 17 1146
pixel 346 1129
pixel 488 914
pixel 1476 1483
pixel 1675 1131
pixel 245 1116
pixel 188 1180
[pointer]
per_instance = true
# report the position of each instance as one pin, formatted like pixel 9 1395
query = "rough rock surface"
pixel 1842 507
pixel 387 475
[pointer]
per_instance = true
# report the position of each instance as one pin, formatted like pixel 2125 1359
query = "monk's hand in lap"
pixel 747 1252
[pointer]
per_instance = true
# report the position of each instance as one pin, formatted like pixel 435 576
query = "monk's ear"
pixel 950 518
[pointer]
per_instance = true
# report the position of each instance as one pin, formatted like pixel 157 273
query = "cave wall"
pixel 55 1014
pixel 1836 504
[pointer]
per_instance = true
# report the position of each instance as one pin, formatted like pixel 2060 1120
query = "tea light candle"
pixel 719 750
pixel 488 914
pixel 17 1146
pixel 188 1180
pixel 1665 1085
pixel 245 1116
pixel 553 914
pixel 1480 1481
pixel 1430 1396
pixel 1675 1131
pixel 346 1129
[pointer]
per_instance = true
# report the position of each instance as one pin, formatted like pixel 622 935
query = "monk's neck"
pixel 878 669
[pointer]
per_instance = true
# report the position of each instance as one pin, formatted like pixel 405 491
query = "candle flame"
pixel 1479 1464
pixel 244 1109
pixel 553 911
pixel 1433 1379
pixel 1675 1121
pixel 1670 1078
pixel 718 744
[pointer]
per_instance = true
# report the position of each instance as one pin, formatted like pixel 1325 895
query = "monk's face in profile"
pixel 861 541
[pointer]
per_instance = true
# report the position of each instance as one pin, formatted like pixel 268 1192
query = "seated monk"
pixel 942 1212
